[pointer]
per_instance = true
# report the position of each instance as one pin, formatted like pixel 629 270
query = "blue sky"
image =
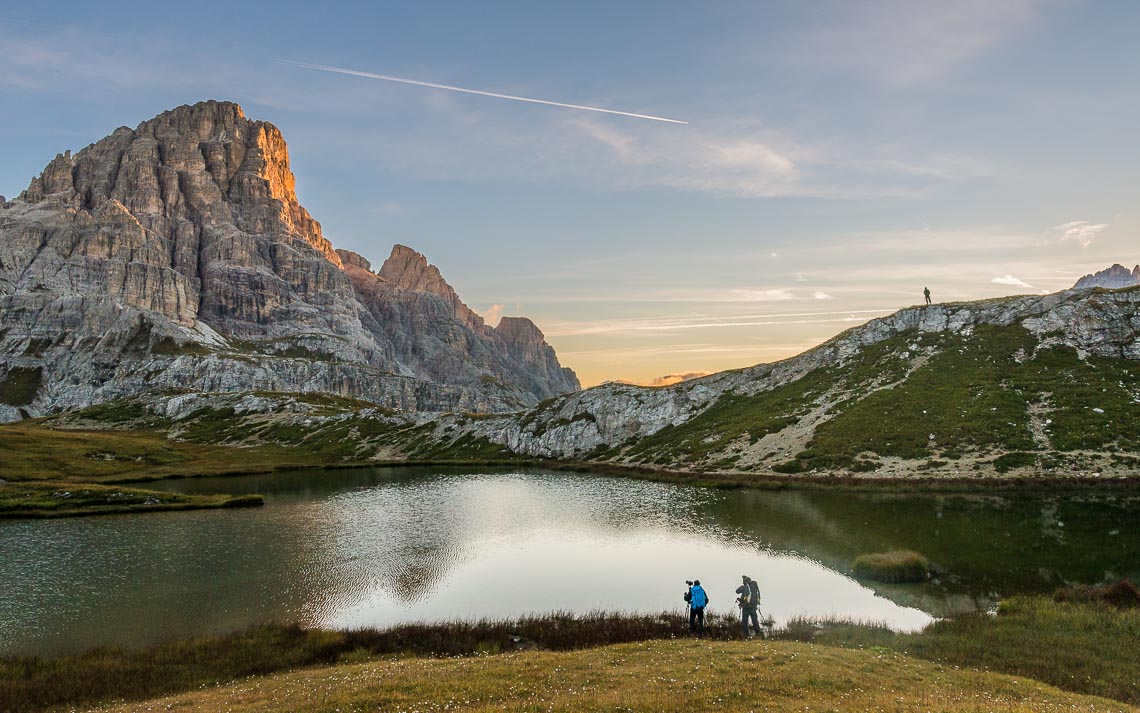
pixel 839 155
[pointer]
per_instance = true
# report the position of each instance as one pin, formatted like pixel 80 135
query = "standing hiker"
pixel 926 294
pixel 698 600
pixel 749 602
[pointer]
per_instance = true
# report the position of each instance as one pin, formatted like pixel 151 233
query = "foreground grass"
pixel 34 683
pixel 56 499
pixel 665 676
pixel 1082 647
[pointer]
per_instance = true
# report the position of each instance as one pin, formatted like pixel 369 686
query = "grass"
pixel 34 683
pixel 638 663
pixel 1083 647
pixel 48 499
pixel 974 396
pixel 661 676
pixel 894 567
pixel 36 452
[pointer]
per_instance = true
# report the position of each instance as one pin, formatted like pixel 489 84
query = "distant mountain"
pixel 1112 278
pixel 175 257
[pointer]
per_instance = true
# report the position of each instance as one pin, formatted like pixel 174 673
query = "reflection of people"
pixel 749 602
pixel 926 294
pixel 698 600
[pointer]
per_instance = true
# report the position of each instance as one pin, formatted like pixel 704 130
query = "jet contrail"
pixel 370 75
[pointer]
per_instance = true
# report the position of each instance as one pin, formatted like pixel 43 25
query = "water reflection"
pixel 372 548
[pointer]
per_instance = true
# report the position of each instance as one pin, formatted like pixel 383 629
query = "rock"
pixel 1111 278
pixel 176 256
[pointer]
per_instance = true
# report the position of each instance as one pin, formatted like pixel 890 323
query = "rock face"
pixel 176 256
pixel 1111 278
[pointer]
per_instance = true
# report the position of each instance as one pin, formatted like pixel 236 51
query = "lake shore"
pixel 67 457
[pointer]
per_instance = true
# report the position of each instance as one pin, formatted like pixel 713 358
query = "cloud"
pixel 670 379
pixel 1080 232
pixel 676 323
pixel 800 277
pixel 1011 281
pixel 821 295
pixel 492 314
pixel 738 160
pixel 776 295
pixel 904 43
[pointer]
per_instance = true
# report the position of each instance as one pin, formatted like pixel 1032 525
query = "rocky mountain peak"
pixel 1111 278
pixel 410 270
pixel 176 256
pixel 349 258
pixel 204 164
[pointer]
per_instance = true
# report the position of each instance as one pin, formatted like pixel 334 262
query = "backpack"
pixel 753 593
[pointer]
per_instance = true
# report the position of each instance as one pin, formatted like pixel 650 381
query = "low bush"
pixel 896 566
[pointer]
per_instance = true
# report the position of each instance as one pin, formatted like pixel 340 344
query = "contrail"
pixel 370 75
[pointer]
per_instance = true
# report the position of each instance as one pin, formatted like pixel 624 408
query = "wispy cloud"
pixel 904 42
pixel 1011 281
pixel 689 322
pixel 820 295
pixel 1080 232
pixel 776 295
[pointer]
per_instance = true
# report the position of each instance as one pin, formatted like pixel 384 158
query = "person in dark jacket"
pixel 698 600
pixel 749 602
pixel 926 294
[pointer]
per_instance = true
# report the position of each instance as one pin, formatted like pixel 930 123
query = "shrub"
pixel 1122 594
pixel 896 566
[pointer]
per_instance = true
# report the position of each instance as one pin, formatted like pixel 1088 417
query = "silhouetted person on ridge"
pixel 698 600
pixel 926 294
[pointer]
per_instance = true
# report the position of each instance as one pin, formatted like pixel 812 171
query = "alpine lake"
pixel 382 546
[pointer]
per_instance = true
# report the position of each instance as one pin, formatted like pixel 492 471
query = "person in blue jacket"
pixel 698 600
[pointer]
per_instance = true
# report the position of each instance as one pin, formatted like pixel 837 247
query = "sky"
pixel 838 156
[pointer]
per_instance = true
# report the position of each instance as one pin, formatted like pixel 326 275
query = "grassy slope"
pixel 682 675
pixel 1082 648
pixel 973 394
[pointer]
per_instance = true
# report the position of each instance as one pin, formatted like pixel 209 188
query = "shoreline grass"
pixel 1085 648
pixel 48 499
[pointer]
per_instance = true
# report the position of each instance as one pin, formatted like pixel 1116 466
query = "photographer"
pixel 697 600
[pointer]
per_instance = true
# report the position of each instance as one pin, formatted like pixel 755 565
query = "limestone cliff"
pixel 177 256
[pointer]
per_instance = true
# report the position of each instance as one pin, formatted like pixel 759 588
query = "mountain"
pixel 1045 384
pixel 175 257
pixel 1035 385
pixel 1111 278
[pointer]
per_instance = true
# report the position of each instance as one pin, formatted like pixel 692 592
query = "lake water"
pixel 376 547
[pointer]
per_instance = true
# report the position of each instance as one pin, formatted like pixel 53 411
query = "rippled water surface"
pixel 378 547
